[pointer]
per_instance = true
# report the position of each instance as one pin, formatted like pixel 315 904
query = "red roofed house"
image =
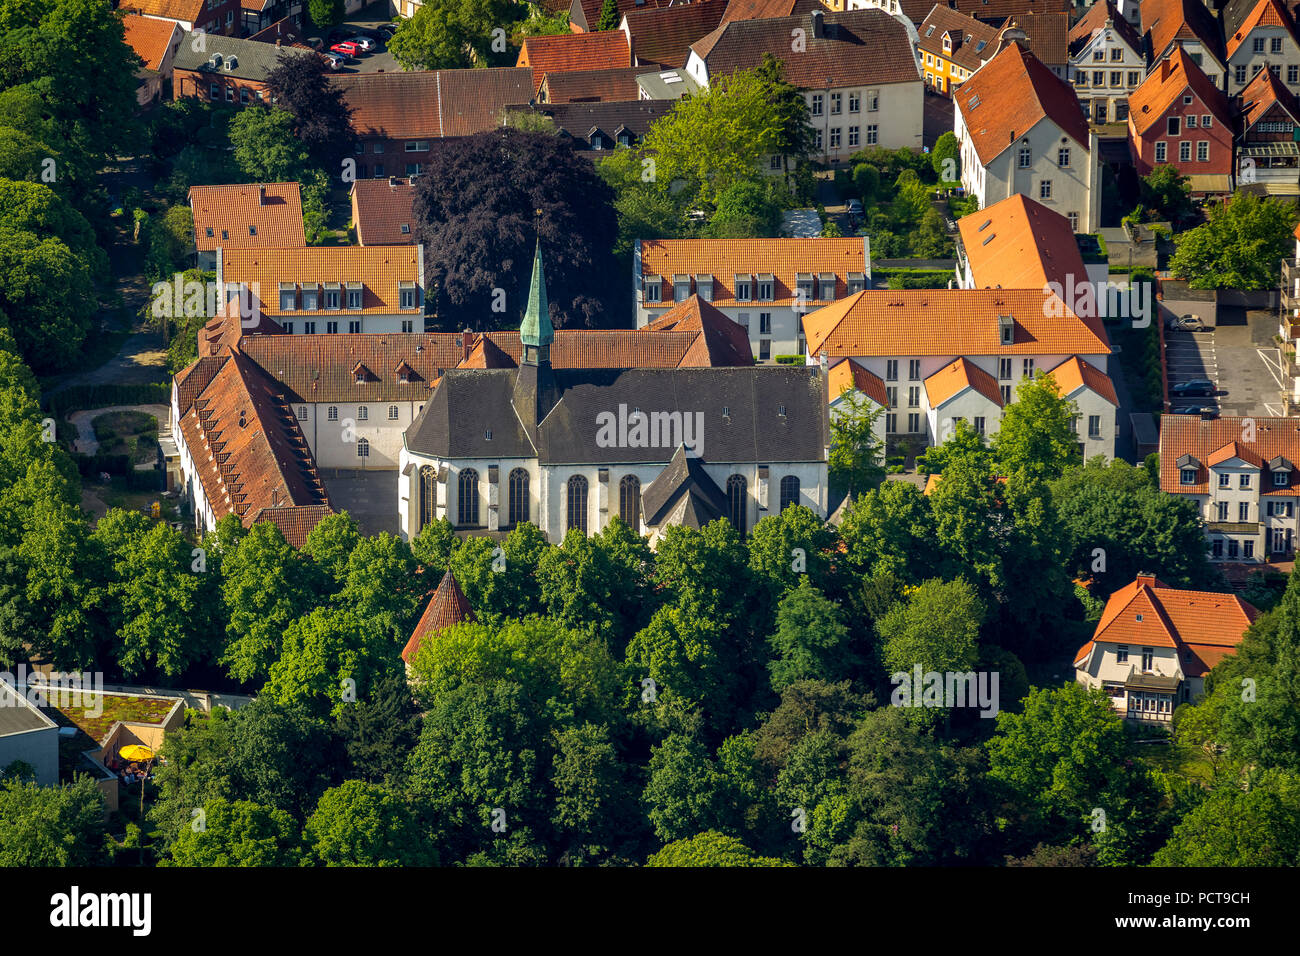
pixel 1266 39
pixel 214 17
pixel 1177 116
pixel 1270 154
pixel 565 53
pixel 1154 645
pixel 446 608
pixel 1241 472
pixel 155 41
pixel 1108 62
pixel 1184 25
pixel 1021 129
pixel 381 211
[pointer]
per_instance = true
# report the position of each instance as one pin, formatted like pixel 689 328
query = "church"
pixel 500 442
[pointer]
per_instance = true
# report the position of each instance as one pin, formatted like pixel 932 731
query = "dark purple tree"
pixel 481 203
pixel 299 84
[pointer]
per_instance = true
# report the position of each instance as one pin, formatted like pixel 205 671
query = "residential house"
pixel 1021 130
pixel 27 735
pixel 570 448
pixel 848 378
pixel 325 290
pixel 1266 39
pixel 1178 117
pixel 213 17
pixel 1107 62
pixel 570 52
pixel 1241 473
pixel 155 42
pixel 591 86
pixel 993 12
pixel 1269 149
pixel 662 36
pixel 381 211
pixel 259 16
pixel 286 32
pixel 1154 645
pixel 220 69
pixel 245 216
pixel 1045 35
pixel 396 116
pixel 913 11
pixel 1186 25
pixel 857 70
pixel 584 15
pixel 593 128
pixel 952 354
pixel 764 285
pixel 770 9
pixel 953 46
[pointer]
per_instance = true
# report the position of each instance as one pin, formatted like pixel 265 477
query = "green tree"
pixel 710 849
pixel 363 824
pixel 1239 247
pixel 380 731
pixel 51 826
pixel 1252 824
pixel 238 833
pixel 1036 438
pixel 330 659
pixel 1169 193
pixel 857 453
pixel 811 641
pixel 325 13
pixel 331 543
pixel 946 158
pixel 265 146
pixel 609 16
pixel 788 547
pixel 378 586
pixel 446 34
pixel 594 802
pixel 890 530
pixel 745 210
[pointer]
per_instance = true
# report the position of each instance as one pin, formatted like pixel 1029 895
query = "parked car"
pixel 334 61
pixel 345 47
pixel 1198 386
pixel 363 43
pixel 387 29
pixel 1202 410
pixel 1188 323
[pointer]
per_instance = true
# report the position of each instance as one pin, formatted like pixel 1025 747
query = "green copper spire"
pixel 536 329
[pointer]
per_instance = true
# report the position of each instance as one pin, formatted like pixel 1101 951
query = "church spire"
pixel 536 332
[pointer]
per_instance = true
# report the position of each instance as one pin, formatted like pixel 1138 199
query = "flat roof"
pixel 18 715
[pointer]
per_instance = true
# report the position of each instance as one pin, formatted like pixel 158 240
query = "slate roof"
pixel 578 86
pixel 1164 85
pixel 432 104
pixel 447 607
pixel 1191 435
pixel 1018 243
pixel 858 48
pixel 149 37
pixel 378 268
pixel 580 120
pixel 950 322
pixel 253 59
pixel 572 52
pixel 247 216
pixel 1095 20
pixel 1009 95
pixel 469 405
pixel 683 493
pixel 663 36
pixel 382 207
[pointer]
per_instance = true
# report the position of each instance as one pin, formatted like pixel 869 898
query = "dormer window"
pixel 704 287
pixel 354 291
pixel 1280 479
pixel 826 287
pixel 208 232
pixel 288 297
pixel 681 288
pixel 406 295
pixel 1006 329
pixel 744 288
pixel 1187 476
pixel 803 284
pixel 310 297
pixel 406 228
pixel 653 289
pixel 766 288
pixel 332 292
pixel 856 282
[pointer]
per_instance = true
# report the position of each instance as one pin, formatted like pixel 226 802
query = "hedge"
pixel 150 480
pixel 91 465
pixel 80 397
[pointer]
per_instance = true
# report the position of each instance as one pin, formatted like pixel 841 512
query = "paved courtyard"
pixel 369 496
pixel 1239 356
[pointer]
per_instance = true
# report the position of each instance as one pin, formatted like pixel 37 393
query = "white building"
pixel 1106 62
pixel 1264 39
pixel 1021 129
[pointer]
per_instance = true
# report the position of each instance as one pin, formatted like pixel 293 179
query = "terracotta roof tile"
pixel 1019 243
pixel 188 11
pixel 382 207
pixel 1095 20
pixel 858 48
pixel 378 268
pixel 1266 13
pixel 150 38
pixel 588 13
pixel 194 378
pixel 585 86
pixel 719 341
pixel 1191 435
pixel 724 259
pixel 1163 86
pixel 432 104
pixel 296 521
pixel 447 607
pixel 767 9
pixel 573 52
pixel 958 376
pixel 1168 20
pixel 973 40
pixel 951 322
pixel 1046 35
pixel 247 216
pixel 1261 94
pixel 663 37
pixel 849 374
pixel 1012 93
pixel 1074 373
pixel 999 10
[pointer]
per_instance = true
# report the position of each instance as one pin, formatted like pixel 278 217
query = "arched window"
pixel 363 448
pixel 428 497
pixel 737 502
pixel 467 498
pixel 578 503
pixel 629 501
pixel 789 491
pixel 518 506
pixel 363 413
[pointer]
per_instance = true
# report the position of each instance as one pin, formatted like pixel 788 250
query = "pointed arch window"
pixel 467 498
pixel 428 496
pixel 629 501
pixel 577 503
pixel 789 491
pixel 738 502
pixel 518 503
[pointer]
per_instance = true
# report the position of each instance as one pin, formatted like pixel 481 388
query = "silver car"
pixel 364 44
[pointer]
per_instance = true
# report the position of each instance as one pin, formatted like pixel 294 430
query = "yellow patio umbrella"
pixel 136 752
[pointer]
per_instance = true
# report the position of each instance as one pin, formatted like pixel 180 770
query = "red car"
pixel 346 47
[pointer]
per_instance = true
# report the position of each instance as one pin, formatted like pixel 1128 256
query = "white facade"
pixel 1105 72
pixel 1044 164
pixel 1241 523
pixel 1110 666
pixel 1274 46
pixel 363 435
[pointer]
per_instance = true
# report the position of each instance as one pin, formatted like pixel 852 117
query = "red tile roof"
pixel 974 41
pixel 1191 435
pixel 1019 243
pixel 573 52
pixel 767 9
pixel 432 104
pixel 1165 84
pixel 187 11
pixel 149 38
pixel 247 216
pixel 1074 373
pixel 587 15
pixel 958 376
pixel 296 521
pixel 1261 94
pixel 663 37
pixel 1009 95
pixel 1095 20
pixel 1046 35
pixel 378 268
pixel 951 322
pixel 1266 13
pixel 381 207
pixel 447 607
pixel 1001 9
pixel 1167 21
pixel 591 86
pixel 849 374
pixel 720 341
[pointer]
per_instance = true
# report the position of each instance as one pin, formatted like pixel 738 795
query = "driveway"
pixel 1239 356
pixel 378 60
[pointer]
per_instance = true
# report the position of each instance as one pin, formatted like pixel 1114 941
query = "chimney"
pixel 277 41
pixel 1146 578
pixel 261 195
pixel 392 182
pixel 818 27
pixel 465 345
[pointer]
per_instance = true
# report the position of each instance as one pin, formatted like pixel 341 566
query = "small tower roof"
pixel 448 606
pixel 536 328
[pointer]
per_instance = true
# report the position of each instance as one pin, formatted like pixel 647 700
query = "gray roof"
pixel 253 58
pixel 773 413
pixel 694 497
pixel 17 715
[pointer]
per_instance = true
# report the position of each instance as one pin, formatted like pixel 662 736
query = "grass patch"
pixel 1179 760
pixel 112 708
pixel 133 434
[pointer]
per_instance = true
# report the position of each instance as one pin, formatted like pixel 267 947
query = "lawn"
pixel 127 433
pixel 112 707
pixel 1181 760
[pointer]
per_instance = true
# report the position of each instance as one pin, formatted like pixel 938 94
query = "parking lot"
pixel 370 18
pixel 1238 356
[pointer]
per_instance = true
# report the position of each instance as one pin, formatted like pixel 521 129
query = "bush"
pixel 789 360
pixel 79 397
pixel 150 480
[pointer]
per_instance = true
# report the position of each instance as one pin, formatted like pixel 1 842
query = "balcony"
pixel 1233 527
